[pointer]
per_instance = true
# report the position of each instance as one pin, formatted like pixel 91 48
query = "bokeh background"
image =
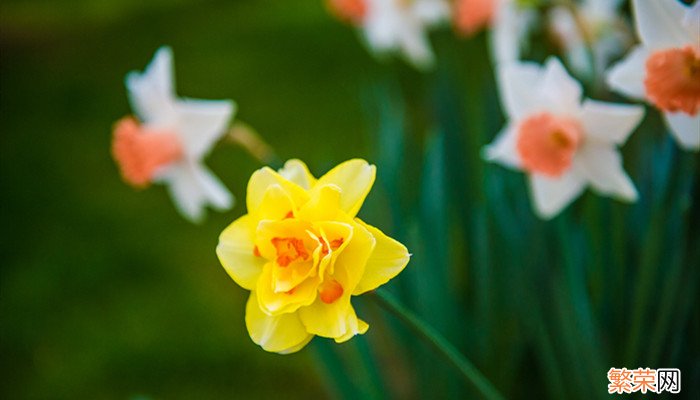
pixel 107 293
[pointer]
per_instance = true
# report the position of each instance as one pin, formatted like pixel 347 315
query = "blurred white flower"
pixel 563 144
pixel 170 139
pixel 401 26
pixel 599 25
pixel 665 68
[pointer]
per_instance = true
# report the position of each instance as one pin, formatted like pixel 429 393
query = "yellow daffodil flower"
pixel 302 253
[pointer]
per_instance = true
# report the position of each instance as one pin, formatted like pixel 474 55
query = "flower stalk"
pixel 245 136
pixel 438 342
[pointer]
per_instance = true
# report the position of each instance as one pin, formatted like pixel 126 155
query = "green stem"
pixel 438 342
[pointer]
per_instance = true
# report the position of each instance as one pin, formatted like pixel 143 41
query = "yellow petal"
pixel 297 172
pixel 336 319
pixel 278 303
pixel 276 204
pixel 327 320
pixel 236 252
pixel 352 260
pixel 355 326
pixel 388 259
pixel 337 236
pixel 265 177
pixel 280 334
pixel 355 179
pixel 323 204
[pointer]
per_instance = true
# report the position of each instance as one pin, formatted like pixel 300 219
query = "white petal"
pixel 659 23
pixel 609 122
pixel 431 12
pixel 510 30
pixel 563 24
pixel 608 48
pixel 551 195
pixel 503 149
pixel 185 191
pixel 627 76
pixel 192 186
pixel 381 25
pixel 560 91
pixel 691 22
pixel 602 167
pixel 416 47
pixel 201 123
pixel 391 26
pixel 516 83
pixel 151 93
pixel 685 128
pixel 213 190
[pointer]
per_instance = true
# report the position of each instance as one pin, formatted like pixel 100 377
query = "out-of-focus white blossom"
pixel 562 143
pixel 171 137
pixel 396 26
pixel 664 69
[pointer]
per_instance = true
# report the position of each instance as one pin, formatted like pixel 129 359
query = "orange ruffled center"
pixel 672 79
pixel 352 11
pixel 289 250
pixel 547 143
pixel 141 152
pixel 471 16
pixel 298 257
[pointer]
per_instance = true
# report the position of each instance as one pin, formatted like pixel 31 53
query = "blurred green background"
pixel 106 292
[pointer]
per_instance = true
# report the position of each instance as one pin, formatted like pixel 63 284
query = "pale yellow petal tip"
pixel 362 328
pixel 296 348
pixel 298 172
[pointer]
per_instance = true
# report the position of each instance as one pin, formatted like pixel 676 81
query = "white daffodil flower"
pixel 562 143
pixel 402 26
pixel 664 69
pixel 170 139
pixel 602 27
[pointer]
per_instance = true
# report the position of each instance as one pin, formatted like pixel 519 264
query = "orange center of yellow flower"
pixel 348 10
pixel 473 15
pixel 673 79
pixel 547 143
pixel 141 152
pixel 334 244
pixel 330 291
pixel 289 250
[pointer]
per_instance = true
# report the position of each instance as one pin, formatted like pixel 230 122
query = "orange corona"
pixel 289 250
pixel 672 80
pixel 547 143
pixel 141 152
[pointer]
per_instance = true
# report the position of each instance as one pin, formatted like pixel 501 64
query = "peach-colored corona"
pixel 141 152
pixel 471 16
pixel 672 79
pixel 547 143
pixel 348 10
